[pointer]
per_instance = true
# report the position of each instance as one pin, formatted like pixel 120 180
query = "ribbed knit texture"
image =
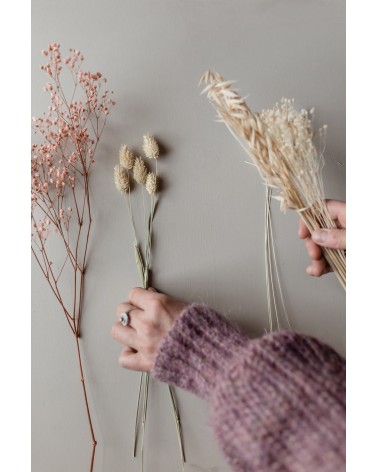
pixel 277 402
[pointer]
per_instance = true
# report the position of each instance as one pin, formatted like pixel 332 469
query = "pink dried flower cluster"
pixel 69 132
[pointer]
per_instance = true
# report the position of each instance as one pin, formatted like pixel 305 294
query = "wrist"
pixel 197 349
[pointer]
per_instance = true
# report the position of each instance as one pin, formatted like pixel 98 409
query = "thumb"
pixel 332 238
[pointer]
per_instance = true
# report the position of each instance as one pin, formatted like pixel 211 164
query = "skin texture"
pixel 152 316
pixel 333 238
pixel 154 313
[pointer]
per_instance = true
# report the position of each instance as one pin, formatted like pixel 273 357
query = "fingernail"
pixel 152 289
pixel 320 236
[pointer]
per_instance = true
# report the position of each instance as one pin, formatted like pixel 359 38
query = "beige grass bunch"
pixel 140 171
pixel 150 147
pixel 280 143
pixel 126 157
pixel 151 183
pixel 147 182
pixel 121 179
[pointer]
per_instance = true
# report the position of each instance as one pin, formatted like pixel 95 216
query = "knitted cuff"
pixel 197 349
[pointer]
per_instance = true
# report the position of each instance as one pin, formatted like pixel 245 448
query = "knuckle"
pixel 156 305
pixel 132 293
pixel 148 328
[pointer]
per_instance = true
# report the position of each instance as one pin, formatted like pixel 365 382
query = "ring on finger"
pixel 125 317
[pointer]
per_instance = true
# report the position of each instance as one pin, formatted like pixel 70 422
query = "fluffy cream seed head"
pixel 121 179
pixel 151 183
pixel 140 171
pixel 126 157
pixel 150 147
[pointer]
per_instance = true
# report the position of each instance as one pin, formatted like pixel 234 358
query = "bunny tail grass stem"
pixel 140 264
pixel 131 215
pixel 144 413
pixel 142 253
pixel 137 414
pixel 144 217
pixel 178 426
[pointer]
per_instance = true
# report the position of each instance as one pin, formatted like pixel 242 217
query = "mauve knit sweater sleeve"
pixel 277 402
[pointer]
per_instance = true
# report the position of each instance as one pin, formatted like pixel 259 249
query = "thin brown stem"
pixel 94 442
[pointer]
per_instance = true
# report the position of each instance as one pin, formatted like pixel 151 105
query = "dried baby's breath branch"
pixel 61 163
pixel 280 143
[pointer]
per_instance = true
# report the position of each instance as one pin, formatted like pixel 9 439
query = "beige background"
pixel 209 227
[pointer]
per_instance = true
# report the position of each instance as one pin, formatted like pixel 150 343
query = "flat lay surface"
pixel 209 225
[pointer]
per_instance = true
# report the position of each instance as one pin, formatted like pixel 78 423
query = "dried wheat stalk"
pixel 280 142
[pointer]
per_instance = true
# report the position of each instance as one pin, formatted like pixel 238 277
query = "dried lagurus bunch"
pixel 146 189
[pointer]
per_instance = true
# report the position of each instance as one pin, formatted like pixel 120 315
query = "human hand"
pixel 332 238
pixel 151 316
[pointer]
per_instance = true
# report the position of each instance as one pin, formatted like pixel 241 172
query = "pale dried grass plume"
pixel 150 147
pixel 151 183
pixel 140 171
pixel 280 143
pixel 121 179
pixel 126 157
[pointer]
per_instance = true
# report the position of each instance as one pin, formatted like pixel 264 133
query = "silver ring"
pixel 125 318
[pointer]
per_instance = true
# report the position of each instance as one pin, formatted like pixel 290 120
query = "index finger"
pixel 337 210
pixel 140 297
pixel 303 231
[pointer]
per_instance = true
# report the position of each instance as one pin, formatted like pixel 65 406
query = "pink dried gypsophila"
pixel 67 153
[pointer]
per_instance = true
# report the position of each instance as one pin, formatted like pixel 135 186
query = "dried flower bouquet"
pixel 280 143
pixel 61 162
pixel 129 169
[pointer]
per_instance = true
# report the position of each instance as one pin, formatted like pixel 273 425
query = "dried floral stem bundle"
pixel 272 277
pixel 280 143
pixel 129 169
pixel 60 168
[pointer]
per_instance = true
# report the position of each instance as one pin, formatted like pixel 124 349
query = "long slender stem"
pixel 137 414
pixel 144 414
pixel 94 442
pixel 178 425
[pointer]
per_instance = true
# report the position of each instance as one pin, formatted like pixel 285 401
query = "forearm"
pixel 278 402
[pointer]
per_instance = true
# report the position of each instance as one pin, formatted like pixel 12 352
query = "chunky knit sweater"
pixel 277 402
